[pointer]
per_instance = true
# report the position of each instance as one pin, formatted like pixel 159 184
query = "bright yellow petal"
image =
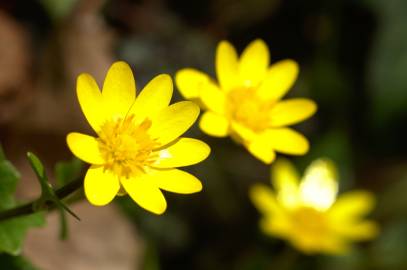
pixel 119 88
pixel 173 121
pixel 286 140
pixel 190 82
pixel 241 133
pixel 91 101
pixel 253 63
pixel 285 180
pixel 84 147
pixel 145 193
pixel 352 206
pixel 227 66
pixel 262 151
pixel 183 152
pixel 214 124
pixel 279 79
pixel 155 97
pixel 213 98
pixel 319 186
pixel 176 181
pixel 264 199
pixel 291 111
pixel 100 186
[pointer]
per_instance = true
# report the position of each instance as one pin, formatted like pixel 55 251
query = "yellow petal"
pixel 91 101
pixel 227 66
pixel 286 140
pixel 100 186
pixel 173 121
pixel 155 97
pixel 279 79
pixel 253 63
pixel 183 152
pixel 241 133
pixel 285 180
pixel 214 124
pixel 264 199
pixel 291 111
pixel 352 205
pixel 213 98
pixel 145 193
pixel 363 230
pixel 262 151
pixel 277 225
pixel 190 82
pixel 84 147
pixel 319 187
pixel 119 88
pixel 176 181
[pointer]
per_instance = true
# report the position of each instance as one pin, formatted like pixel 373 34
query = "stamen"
pixel 246 107
pixel 126 146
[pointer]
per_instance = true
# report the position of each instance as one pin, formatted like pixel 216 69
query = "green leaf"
pixel 15 263
pixel 12 231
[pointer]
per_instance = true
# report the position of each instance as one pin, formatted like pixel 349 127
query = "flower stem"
pixel 28 208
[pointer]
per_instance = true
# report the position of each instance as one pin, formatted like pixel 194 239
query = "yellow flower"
pixel 308 214
pixel 138 140
pixel 246 103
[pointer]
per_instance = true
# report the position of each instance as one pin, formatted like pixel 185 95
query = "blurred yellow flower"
pixel 308 214
pixel 246 103
pixel 138 140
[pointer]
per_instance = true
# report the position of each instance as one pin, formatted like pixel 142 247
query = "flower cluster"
pixel 138 145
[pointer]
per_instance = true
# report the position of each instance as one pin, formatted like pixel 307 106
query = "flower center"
pixel 309 221
pixel 126 146
pixel 246 107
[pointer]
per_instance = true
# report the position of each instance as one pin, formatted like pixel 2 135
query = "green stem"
pixel 28 208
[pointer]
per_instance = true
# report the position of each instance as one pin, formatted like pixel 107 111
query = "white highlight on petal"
pixel 319 187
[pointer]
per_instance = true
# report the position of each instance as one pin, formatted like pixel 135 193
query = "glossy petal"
pixel 91 101
pixel 262 151
pixel 253 63
pixel 190 82
pixel 176 181
pixel 183 152
pixel 145 193
pixel 227 66
pixel 286 140
pixel 155 97
pixel 84 147
pixel 173 121
pixel 119 88
pixel 279 79
pixel 264 199
pixel 352 205
pixel 213 98
pixel 291 111
pixel 100 186
pixel 285 180
pixel 319 187
pixel 214 124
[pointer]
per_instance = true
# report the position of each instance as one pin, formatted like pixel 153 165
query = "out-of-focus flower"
pixel 138 140
pixel 308 213
pixel 246 103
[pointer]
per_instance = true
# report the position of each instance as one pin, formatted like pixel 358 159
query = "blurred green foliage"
pixel 12 231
